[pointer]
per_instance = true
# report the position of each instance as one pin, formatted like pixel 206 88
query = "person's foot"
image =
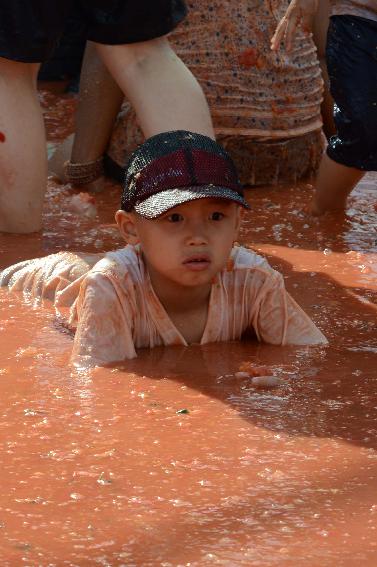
pixel 96 186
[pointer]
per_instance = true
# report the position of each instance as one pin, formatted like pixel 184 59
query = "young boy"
pixel 351 56
pixel 179 280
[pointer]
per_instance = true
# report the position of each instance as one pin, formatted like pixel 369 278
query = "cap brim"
pixel 159 203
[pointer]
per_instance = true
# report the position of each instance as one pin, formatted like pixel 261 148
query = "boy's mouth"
pixel 197 262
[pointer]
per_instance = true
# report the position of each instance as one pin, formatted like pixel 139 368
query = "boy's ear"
pixel 127 227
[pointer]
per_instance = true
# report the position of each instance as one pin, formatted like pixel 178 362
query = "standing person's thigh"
pixel 130 36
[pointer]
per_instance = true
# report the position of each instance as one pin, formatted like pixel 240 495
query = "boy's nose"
pixel 196 234
pixel 197 240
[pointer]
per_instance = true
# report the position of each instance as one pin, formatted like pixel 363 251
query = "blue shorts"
pixel 351 54
pixel 30 29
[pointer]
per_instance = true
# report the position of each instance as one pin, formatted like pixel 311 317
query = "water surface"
pixel 104 467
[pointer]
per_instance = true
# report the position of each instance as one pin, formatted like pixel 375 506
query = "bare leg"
pixel 333 185
pixel 163 92
pixel 100 99
pixel 23 159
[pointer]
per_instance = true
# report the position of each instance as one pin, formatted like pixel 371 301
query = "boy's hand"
pixel 299 12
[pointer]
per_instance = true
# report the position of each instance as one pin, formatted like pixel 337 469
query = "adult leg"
pixel 352 68
pixel 100 99
pixel 163 92
pixel 333 185
pixel 23 160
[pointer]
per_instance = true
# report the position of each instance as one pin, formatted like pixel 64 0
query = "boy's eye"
pixel 175 217
pixel 217 216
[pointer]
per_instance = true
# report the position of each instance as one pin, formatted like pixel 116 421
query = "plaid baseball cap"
pixel 173 168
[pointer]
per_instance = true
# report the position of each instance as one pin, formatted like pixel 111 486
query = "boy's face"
pixel 189 244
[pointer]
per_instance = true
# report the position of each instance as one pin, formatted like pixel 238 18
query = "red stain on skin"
pixel 2 137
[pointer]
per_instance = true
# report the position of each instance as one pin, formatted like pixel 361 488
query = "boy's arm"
pixel 44 278
pixel 299 13
pixel 104 328
pixel 280 320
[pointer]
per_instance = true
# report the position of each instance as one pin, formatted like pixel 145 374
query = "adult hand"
pixel 299 12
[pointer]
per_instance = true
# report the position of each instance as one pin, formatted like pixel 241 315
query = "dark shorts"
pixel 351 55
pixel 30 29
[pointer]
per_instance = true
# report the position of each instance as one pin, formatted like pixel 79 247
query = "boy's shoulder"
pixel 246 259
pixel 124 267
pixel 247 268
pixel 127 259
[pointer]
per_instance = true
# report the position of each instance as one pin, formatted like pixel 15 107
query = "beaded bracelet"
pixel 82 173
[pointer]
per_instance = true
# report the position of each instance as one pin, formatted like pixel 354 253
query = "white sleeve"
pixel 280 320
pixel 45 277
pixel 104 329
